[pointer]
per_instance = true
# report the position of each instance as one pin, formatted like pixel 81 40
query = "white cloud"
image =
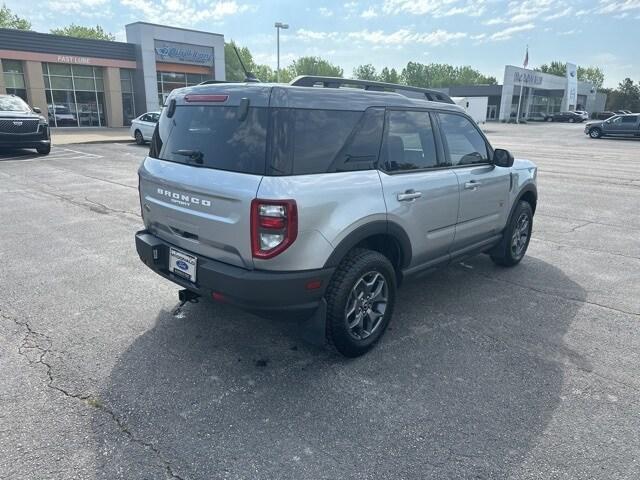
pixel 369 13
pixel 185 13
pixel 325 12
pixel 380 38
pixel 507 33
pixel 83 8
pixel 617 6
pixel 436 8
pixel 562 13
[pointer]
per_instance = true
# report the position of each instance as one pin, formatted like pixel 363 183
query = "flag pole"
pixel 524 65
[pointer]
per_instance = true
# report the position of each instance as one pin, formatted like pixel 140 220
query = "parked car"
pixel 618 125
pixel 142 127
pixel 319 202
pixel 22 126
pixel 537 117
pixel 582 113
pixel 603 115
pixel 570 117
pixel 61 116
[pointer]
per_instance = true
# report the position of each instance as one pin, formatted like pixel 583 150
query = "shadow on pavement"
pixel 461 386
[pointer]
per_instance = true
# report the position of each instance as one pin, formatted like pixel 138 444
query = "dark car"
pixel 618 125
pixel 570 117
pixel 538 117
pixel 603 115
pixel 22 126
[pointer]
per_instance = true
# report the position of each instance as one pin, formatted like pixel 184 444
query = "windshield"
pixel 216 137
pixel 13 104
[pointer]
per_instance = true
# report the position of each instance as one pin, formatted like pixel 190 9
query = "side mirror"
pixel 36 110
pixel 502 158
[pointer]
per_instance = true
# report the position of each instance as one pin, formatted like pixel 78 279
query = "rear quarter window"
pixel 225 140
pixel 321 141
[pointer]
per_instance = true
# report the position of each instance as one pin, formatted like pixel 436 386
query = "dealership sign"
pixel 530 78
pixel 71 59
pixel 183 53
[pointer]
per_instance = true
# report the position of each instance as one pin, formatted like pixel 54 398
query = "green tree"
pixel 625 97
pixel 10 20
pixel 234 71
pixel 80 31
pixel 438 75
pixel 365 72
pixel 593 75
pixel 314 66
pixel 389 76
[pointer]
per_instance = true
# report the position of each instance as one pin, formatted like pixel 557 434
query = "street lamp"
pixel 284 26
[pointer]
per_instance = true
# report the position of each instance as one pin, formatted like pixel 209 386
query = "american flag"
pixel 525 64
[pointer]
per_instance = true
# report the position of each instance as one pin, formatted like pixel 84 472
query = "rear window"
pixel 216 137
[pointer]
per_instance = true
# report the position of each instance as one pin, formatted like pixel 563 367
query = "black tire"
pixel 358 267
pixel 571 120
pixel 139 138
pixel 510 250
pixel 549 119
pixel 46 150
pixel 595 133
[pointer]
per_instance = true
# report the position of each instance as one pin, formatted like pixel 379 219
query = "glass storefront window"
pixel 14 78
pixel 128 100
pixel 168 81
pixel 75 95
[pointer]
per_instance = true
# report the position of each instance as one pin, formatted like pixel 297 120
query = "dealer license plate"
pixel 183 264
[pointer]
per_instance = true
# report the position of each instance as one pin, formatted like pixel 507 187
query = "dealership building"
pixel 541 93
pixel 98 83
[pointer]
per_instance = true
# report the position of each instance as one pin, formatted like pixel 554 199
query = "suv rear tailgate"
pixel 201 210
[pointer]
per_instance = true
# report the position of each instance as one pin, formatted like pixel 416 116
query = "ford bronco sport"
pixel 317 200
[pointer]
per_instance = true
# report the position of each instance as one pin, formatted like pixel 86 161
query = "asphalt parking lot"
pixel 486 373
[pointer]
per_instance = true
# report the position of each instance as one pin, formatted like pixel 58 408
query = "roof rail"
pixel 406 90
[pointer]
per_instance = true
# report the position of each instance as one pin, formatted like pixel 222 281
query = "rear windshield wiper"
pixel 195 155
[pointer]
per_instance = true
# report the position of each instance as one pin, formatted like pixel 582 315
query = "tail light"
pixel 274 227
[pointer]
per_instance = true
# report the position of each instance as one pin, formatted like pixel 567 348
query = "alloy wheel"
pixel 520 236
pixel 366 305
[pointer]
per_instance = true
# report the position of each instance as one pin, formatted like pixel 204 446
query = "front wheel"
pixel 44 150
pixel 360 300
pixel 595 133
pixel 139 138
pixel 571 120
pixel 549 119
pixel 516 237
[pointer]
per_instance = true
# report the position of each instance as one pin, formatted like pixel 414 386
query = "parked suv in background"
pixel 582 113
pixel 319 202
pixel 22 126
pixel 618 125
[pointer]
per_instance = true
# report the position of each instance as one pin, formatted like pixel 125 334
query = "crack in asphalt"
pixel 31 342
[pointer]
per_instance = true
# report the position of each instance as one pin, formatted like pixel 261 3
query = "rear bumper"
pixel 267 293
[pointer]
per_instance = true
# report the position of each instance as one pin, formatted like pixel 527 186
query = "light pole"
pixel 284 26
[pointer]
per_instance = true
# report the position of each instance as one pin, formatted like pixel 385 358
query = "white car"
pixel 143 126
pixel 582 113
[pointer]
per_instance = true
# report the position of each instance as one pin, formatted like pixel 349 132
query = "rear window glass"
pixel 216 137
pixel 308 141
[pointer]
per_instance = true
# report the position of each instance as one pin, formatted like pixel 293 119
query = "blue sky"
pixel 486 34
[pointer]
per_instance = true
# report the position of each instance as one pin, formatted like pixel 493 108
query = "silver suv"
pixel 316 200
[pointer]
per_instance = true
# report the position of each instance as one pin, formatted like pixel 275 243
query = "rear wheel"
pixel 516 237
pixel 360 301
pixel 44 150
pixel 571 120
pixel 139 137
pixel 549 119
pixel 595 133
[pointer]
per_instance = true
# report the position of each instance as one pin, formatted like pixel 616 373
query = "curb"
pixel 92 142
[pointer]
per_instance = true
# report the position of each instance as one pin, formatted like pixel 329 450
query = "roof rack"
pixel 370 85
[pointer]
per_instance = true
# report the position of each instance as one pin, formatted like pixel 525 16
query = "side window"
pixel 408 141
pixel 145 118
pixel 630 119
pixel 308 141
pixel 154 117
pixel 617 120
pixel 463 143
